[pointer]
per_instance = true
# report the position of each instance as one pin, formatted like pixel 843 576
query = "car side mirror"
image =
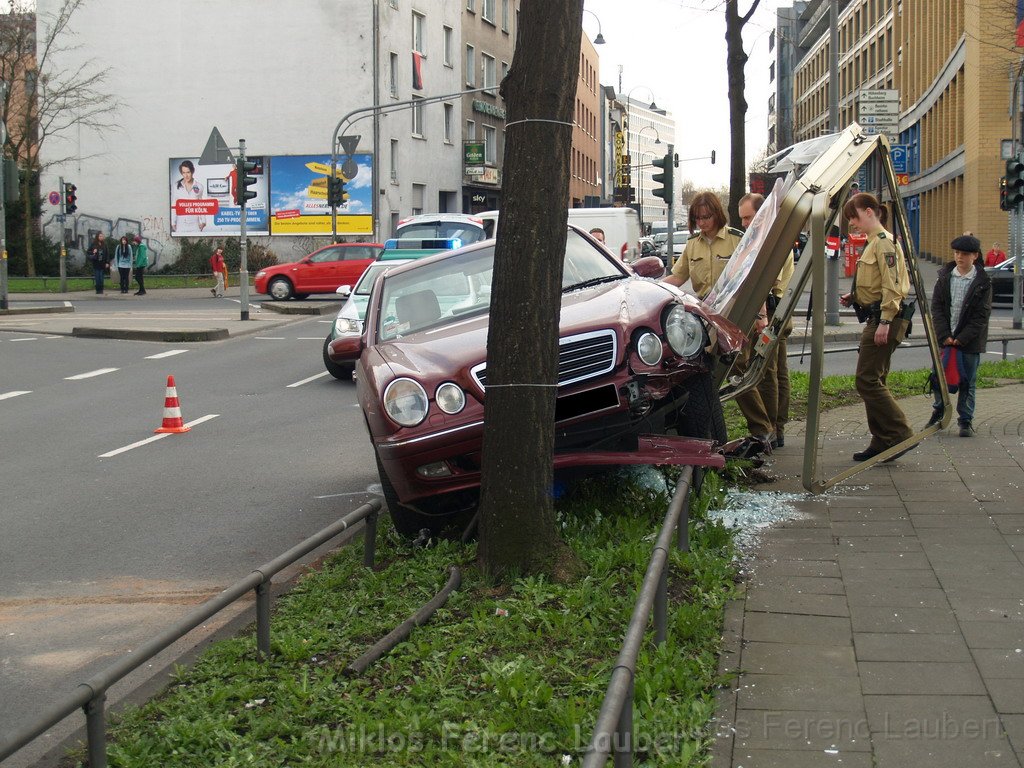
pixel 649 266
pixel 345 349
pixel 344 291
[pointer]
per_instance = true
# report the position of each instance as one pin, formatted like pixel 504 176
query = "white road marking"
pixel 154 438
pixel 27 338
pixel 339 495
pixel 90 374
pixel 68 304
pixel 9 395
pixel 306 381
pixel 325 321
pixel 270 338
pixel 168 353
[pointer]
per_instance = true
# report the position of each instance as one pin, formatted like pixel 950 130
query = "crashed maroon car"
pixel 634 382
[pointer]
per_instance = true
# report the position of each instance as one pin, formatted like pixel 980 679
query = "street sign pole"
pixel 3 224
pixel 243 268
pixel 63 261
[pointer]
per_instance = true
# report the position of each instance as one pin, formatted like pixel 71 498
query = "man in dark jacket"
pixel 961 306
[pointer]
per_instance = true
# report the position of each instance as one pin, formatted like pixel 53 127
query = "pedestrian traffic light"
pixel 664 178
pixel 1014 183
pixel 70 197
pixel 336 194
pixel 1003 205
pixel 245 181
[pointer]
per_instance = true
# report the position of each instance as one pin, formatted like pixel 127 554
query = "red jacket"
pixel 994 258
pixel 217 262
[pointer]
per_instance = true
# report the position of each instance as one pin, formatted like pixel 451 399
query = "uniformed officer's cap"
pixel 966 244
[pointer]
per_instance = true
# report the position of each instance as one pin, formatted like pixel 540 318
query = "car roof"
pixel 427 217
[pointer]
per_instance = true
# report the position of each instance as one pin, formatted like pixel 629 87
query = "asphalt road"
pixel 101 553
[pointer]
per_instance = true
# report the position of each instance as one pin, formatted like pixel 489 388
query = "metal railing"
pixel 613 732
pixel 905 345
pixel 91 695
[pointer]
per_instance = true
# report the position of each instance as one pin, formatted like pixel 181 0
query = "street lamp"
pixel 599 40
pixel 629 134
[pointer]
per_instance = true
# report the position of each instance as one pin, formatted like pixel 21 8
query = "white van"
pixel 621 227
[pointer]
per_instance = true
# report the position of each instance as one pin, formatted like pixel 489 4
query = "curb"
pixel 62 308
pixel 168 335
pixel 301 309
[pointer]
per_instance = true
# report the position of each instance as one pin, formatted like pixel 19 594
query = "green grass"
pixel 472 687
pixel 85 284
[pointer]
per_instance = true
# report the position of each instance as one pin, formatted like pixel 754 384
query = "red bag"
pixel 951 366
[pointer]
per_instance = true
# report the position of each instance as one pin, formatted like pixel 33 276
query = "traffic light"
pixel 1003 206
pixel 70 197
pixel 664 178
pixel 245 181
pixel 1014 183
pixel 336 194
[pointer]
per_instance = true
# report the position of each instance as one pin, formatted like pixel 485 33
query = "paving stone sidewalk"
pixel 885 627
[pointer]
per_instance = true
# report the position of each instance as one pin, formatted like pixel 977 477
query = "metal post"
pixel 96 731
pixel 670 237
pixel 623 746
pixel 63 261
pixel 832 265
pixel 3 236
pixel 243 270
pixel 263 618
pixel 1018 218
pixel 661 606
pixel 370 540
pixel 683 528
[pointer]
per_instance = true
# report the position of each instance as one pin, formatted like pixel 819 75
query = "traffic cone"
pixel 172 411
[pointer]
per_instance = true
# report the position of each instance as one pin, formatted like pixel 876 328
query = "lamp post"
pixel 599 40
pixel 629 134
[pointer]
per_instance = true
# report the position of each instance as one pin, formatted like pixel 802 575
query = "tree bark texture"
pixel 736 61
pixel 517 527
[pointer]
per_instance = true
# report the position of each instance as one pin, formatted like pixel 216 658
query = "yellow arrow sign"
pixel 317 192
pixel 320 181
pixel 325 169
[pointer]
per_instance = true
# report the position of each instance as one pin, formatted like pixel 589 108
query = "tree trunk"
pixel 517 526
pixel 736 60
pixel 26 204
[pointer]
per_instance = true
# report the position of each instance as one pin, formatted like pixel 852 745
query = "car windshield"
pixel 438 293
pixel 466 232
pixel 365 284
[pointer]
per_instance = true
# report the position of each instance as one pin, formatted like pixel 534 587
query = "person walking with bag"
pixel 141 262
pixel 124 255
pixel 961 307
pixel 881 285
pixel 99 259
pixel 219 271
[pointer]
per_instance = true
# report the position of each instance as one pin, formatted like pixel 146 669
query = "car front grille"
pixel 580 357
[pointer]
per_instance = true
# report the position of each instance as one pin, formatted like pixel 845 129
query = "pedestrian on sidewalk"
pixel 881 285
pixel 961 308
pixel 141 262
pixel 995 256
pixel 219 272
pixel 99 258
pixel 124 257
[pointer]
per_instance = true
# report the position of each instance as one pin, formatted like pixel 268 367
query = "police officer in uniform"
pixel 706 253
pixel 880 286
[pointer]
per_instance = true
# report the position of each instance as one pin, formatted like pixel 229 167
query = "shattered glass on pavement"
pixel 753 512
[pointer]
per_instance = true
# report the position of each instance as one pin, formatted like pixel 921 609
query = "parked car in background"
pixel 349 321
pixel 621 228
pixel 1002 281
pixel 322 271
pixel 444 226
pixel 634 366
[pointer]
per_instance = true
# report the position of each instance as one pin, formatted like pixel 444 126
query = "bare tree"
pixel 736 61
pixel 42 100
pixel 518 534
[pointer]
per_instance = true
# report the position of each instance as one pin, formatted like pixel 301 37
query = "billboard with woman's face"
pixel 203 199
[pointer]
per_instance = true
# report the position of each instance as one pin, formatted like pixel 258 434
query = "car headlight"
pixel 649 348
pixel 261 273
pixel 450 398
pixel 347 326
pixel 684 331
pixel 405 401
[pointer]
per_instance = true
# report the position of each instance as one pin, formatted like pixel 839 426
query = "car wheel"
pixel 702 414
pixel 280 289
pixel 408 521
pixel 341 371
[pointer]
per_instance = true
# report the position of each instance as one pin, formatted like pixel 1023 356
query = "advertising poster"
pixel 202 199
pixel 298 197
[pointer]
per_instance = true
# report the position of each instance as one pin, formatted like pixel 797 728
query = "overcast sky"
pixel 677 49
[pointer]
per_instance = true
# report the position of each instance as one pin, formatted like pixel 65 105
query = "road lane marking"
pixel 154 438
pixel 168 353
pixel 311 378
pixel 27 338
pixel 9 395
pixel 90 374
pixel 269 338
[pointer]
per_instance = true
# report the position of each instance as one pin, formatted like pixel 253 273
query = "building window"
pixel 393 74
pixel 449 112
pixel 490 145
pixel 487 10
pixel 470 66
pixel 470 130
pixel 471 6
pixel 417 118
pixel 504 15
pixel 448 37
pixel 490 71
pixel 419 194
pixel 394 161
pixel 419 23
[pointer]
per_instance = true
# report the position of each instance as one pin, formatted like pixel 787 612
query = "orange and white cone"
pixel 172 411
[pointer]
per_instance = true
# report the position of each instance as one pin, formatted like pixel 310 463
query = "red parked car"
pixel 322 271
pixel 635 364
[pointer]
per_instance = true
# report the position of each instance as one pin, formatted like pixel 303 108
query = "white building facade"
pixel 278 74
